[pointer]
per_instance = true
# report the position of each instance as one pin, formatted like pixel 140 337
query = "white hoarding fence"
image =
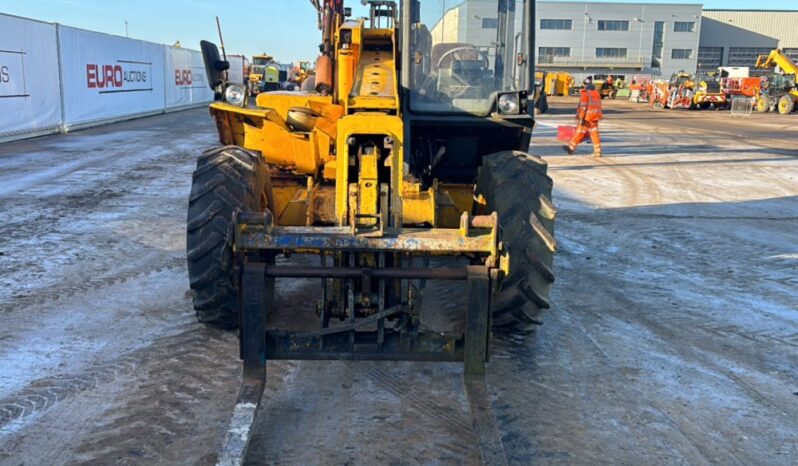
pixel 108 77
pixel 30 97
pixel 53 78
pixel 184 78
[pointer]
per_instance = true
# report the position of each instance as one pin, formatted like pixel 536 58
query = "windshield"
pixel 463 53
pixel 261 61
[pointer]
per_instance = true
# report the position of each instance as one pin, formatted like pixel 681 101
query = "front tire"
pixel 227 179
pixel 786 105
pixel 516 186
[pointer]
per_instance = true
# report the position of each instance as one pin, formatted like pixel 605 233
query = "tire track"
pixel 419 401
pixel 91 283
pixel 44 393
pixel 159 422
pixel 760 336
pixel 694 352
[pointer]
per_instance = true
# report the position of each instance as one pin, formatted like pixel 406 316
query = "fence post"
pixel 61 127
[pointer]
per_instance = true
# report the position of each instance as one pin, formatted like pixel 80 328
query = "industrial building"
pixel 587 38
pixel 626 39
pixel 737 37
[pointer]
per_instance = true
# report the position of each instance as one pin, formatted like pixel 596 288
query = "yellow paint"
pixel 368 186
pixel 365 102
pixel 364 123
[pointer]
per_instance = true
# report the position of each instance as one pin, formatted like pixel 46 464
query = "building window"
pixel 605 25
pixel 746 56
pixel 558 24
pixel 709 58
pixel 555 51
pixel 656 49
pixel 490 23
pixel 549 54
pixel 682 54
pixel 608 52
pixel 792 54
pixel 684 26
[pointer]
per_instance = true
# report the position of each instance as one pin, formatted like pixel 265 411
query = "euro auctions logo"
pixel 189 78
pixel 183 77
pixel 123 76
pixel 12 74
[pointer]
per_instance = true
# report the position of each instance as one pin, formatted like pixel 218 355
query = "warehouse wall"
pixel 584 36
pixel 736 36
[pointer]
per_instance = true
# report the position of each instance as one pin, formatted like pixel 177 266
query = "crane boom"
pixel 777 58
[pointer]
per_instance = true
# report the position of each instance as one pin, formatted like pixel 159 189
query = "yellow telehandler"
pixel 407 163
pixel 778 89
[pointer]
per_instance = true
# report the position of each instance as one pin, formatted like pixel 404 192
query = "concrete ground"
pixel 673 338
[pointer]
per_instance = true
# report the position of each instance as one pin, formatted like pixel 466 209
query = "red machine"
pixel 642 84
pixel 748 87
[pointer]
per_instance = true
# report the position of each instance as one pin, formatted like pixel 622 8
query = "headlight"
pixel 235 95
pixel 508 103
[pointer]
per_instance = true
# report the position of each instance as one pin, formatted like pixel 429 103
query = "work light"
pixel 235 94
pixel 509 103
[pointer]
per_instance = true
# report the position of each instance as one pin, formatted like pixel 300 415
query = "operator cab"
pixel 464 55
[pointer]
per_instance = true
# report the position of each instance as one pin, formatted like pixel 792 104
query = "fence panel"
pixel 742 107
pixel 30 97
pixel 109 77
pixel 185 79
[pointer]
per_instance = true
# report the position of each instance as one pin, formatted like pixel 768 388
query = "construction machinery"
pixel 778 88
pixel 262 72
pixel 407 164
pixel 641 88
pixel 740 86
pixel 708 93
pixel 299 74
pixel 678 92
pixel 605 85
pixel 557 82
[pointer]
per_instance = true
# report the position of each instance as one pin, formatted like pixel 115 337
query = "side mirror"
pixel 214 65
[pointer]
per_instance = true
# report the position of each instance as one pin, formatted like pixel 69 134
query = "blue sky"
pixel 283 28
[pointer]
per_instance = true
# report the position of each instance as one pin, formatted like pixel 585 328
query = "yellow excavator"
pixel 778 89
pixel 408 163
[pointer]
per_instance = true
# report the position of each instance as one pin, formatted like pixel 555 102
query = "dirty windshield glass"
pixel 462 54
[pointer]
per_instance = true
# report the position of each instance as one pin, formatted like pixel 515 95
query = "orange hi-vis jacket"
pixel 589 105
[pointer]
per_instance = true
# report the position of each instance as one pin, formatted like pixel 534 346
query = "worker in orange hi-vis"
pixel 589 114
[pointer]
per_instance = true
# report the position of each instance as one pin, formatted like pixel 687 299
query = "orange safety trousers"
pixel 582 130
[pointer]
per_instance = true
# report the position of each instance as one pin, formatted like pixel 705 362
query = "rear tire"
pixel 227 179
pixel 516 186
pixel 786 105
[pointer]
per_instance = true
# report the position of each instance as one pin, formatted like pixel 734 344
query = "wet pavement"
pixel 673 338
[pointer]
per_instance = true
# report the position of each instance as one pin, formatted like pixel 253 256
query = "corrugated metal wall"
pixel 741 28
